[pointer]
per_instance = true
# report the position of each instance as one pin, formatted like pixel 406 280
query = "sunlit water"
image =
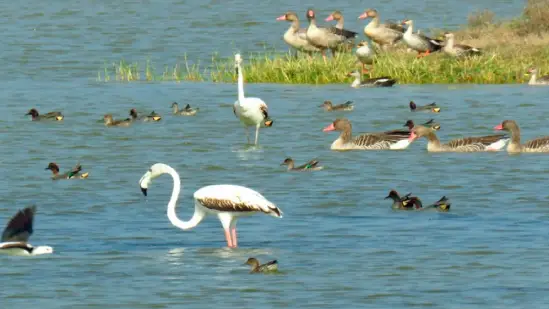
pixel 339 243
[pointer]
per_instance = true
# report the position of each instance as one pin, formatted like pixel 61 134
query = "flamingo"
pixel 227 202
pixel 250 111
pixel 17 233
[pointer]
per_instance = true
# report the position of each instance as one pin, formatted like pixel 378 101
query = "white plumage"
pixel 17 233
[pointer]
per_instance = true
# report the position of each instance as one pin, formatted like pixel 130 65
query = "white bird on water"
pixel 250 111
pixel 227 202
pixel 16 235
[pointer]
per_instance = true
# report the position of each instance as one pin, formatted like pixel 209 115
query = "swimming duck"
pixel 74 173
pixel 382 34
pixel 534 80
pixel 151 117
pixel 271 266
pixel 15 238
pixel 365 55
pixel 430 124
pixel 56 116
pixel 297 37
pixel 365 141
pixel 187 111
pixel 309 166
pixel 426 108
pixel 540 144
pixel 384 81
pixel 401 202
pixel 458 50
pixel 347 106
pixel 466 144
pixel 441 205
pixel 424 45
pixel 110 122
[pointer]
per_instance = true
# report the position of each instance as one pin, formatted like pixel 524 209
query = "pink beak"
pixel 412 137
pixel 329 128
pixel 363 16
pixel 498 127
pixel 329 18
pixel 283 17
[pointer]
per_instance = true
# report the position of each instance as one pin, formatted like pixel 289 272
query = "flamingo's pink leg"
pixel 233 234
pixel 228 238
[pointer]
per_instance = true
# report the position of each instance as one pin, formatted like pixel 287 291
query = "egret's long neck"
pixel 240 85
pixel 197 216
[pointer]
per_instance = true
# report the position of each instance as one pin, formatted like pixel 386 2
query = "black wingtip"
pixel 144 190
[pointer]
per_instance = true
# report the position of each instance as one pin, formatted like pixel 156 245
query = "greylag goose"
pixel 15 238
pixel 347 45
pixel 309 166
pixel 401 202
pixel 347 106
pixel 110 122
pixel 366 141
pixel 325 38
pixel 186 111
pixel 384 81
pixel 74 173
pixel 534 80
pixel 382 34
pixel 425 108
pixel 56 116
pixel 297 37
pixel 540 144
pixel 424 45
pixel 134 116
pixel 466 144
pixel 365 55
pixel 458 50
pixel 271 266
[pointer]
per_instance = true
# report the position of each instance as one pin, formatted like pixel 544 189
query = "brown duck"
pixel 55 116
pixel 347 106
pixel 110 122
pixel 74 173
pixel 271 266
pixel 466 144
pixel 309 166
pixel 151 117
pixel 540 144
pixel 426 108
pixel 401 202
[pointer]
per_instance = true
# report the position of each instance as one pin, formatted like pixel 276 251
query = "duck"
pixel 297 37
pixel 365 55
pixel 458 50
pixel 540 144
pixel 347 45
pixel 424 45
pixel 426 108
pixel 110 122
pixel 187 111
pixel 309 166
pixel 74 173
pixel 365 141
pixel 134 116
pixel 401 202
pixel 324 38
pixel 383 81
pixel 534 80
pixel 441 205
pixel 347 106
pixel 466 144
pixel 55 116
pixel 431 124
pixel 383 35
pixel 15 238
pixel 271 266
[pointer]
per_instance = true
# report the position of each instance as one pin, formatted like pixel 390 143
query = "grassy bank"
pixel 510 48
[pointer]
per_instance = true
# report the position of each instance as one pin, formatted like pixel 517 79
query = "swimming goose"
pixel 151 117
pixel 347 45
pixel 401 202
pixel 366 141
pixel 347 106
pixel 365 55
pixel 458 50
pixel 309 166
pixel 271 266
pixel 17 233
pixel 297 37
pixel 424 45
pixel 540 144
pixel 324 38
pixel 383 81
pixel 426 108
pixel 466 144
pixel 382 34
pixel 56 116
pixel 74 173
pixel 110 122
pixel 534 80
pixel 187 111
pixel 250 111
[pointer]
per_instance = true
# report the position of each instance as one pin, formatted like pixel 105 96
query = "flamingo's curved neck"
pixel 240 85
pixel 172 216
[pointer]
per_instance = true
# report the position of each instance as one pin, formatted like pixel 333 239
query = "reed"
pixel 510 48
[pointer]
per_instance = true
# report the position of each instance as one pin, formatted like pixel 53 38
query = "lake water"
pixel 339 243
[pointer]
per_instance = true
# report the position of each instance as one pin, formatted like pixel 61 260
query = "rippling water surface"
pixel 339 243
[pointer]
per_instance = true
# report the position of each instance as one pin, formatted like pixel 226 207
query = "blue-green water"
pixel 339 244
